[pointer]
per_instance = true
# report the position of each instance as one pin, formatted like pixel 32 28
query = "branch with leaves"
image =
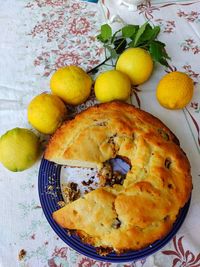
pixel 144 36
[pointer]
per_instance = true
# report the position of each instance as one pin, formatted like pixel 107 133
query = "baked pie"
pixel 143 206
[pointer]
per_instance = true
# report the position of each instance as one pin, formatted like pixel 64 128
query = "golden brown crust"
pixel 158 184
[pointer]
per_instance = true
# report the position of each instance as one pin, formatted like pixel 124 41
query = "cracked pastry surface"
pixel 141 210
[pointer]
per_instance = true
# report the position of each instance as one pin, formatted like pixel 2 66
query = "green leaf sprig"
pixel 144 36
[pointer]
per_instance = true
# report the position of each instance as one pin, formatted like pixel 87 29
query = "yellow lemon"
pixel 71 84
pixel 136 63
pixel 19 149
pixel 175 90
pixel 112 85
pixel 46 112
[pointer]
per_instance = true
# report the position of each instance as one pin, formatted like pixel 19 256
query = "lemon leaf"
pixel 129 31
pixel 139 33
pixel 106 32
pixel 155 50
pixel 149 34
pixel 158 53
pixel 120 45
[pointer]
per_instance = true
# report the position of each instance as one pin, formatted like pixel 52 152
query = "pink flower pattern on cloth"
pixel 71 29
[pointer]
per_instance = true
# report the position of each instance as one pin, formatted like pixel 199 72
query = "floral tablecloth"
pixel 39 36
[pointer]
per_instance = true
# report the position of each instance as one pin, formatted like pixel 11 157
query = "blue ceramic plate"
pixel 50 194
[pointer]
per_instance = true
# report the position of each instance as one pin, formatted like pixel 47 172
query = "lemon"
pixel 137 64
pixel 46 112
pixel 19 149
pixel 175 90
pixel 71 84
pixel 112 85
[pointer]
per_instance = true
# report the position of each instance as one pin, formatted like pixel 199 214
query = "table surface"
pixel 39 36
